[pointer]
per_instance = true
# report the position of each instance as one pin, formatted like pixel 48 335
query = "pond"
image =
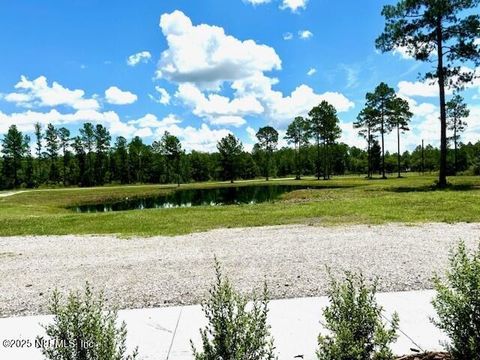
pixel 195 197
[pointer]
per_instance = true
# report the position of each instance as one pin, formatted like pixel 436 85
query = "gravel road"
pixel 146 272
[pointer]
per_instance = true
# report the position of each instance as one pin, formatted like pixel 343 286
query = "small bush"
pixel 234 332
pixel 457 303
pixel 354 320
pixel 83 330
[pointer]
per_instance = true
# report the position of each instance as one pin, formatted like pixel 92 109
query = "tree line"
pixel 92 159
pixel 441 32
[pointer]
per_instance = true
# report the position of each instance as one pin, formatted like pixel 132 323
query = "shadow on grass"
pixel 433 187
pixel 326 186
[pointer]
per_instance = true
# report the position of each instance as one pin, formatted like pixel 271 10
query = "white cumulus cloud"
pixel 305 34
pixel 294 5
pixel 228 120
pixel 418 88
pixel 202 138
pixel 163 96
pixel 217 56
pixel 283 109
pixel 151 121
pixel 25 121
pixel 144 132
pixel 257 2
pixel 218 109
pixel 312 71
pixel 140 57
pixel 115 96
pixel 38 93
pixel 403 52
pixel 222 61
pixel 252 134
pixel 429 88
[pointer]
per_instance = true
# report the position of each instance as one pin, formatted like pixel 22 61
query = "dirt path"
pixel 11 193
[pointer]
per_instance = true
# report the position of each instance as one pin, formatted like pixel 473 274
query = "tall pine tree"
pixel 443 32
pixel 14 149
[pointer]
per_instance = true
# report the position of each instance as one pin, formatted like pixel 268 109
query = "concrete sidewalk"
pixel 165 333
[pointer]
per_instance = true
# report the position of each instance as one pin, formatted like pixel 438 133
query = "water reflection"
pixel 196 197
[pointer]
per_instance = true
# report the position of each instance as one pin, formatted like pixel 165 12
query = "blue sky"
pixel 202 69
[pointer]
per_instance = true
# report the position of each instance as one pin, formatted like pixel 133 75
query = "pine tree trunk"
pixel 268 166
pixel 383 149
pixel 318 158
pixel 15 172
pixel 369 155
pixel 325 164
pixel 64 169
pixel 398 151
pixel 297 160
pixel 455 152
pixel 442 179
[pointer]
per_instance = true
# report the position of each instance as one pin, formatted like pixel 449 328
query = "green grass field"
pixel 342 200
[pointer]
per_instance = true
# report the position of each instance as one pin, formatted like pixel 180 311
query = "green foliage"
pixel 64 138
pixel 39 137
pixel 457 303
pixel 297 132
pixel 83 329
pixel 457 111
pixel 39 173
pixel 120 161
pixel 297 135
pixel 267 141
pixel 383 112
pixel 137 152
pixel 354 320
pixel 51 147
pixel 201 166
pixel 401 116
pixel 249 168
pixel 29 173
pixel 365 122
pixel 323 126
pixel 476 168
pixel 81 161
pixel 171 148
pixel 102 145
pixel 87 141
pixel 423 27
pixel 235 331
pixel 230 149
pixel 14 148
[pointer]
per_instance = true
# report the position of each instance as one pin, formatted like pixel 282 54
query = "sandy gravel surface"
pixel 144 272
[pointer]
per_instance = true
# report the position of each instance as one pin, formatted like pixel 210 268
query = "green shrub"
pixel 83 329
pixel 235 330
pixel 476 168
pixel 457 303
pixel 354 320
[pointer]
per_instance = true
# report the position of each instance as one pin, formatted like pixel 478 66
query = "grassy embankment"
pixel 343 200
